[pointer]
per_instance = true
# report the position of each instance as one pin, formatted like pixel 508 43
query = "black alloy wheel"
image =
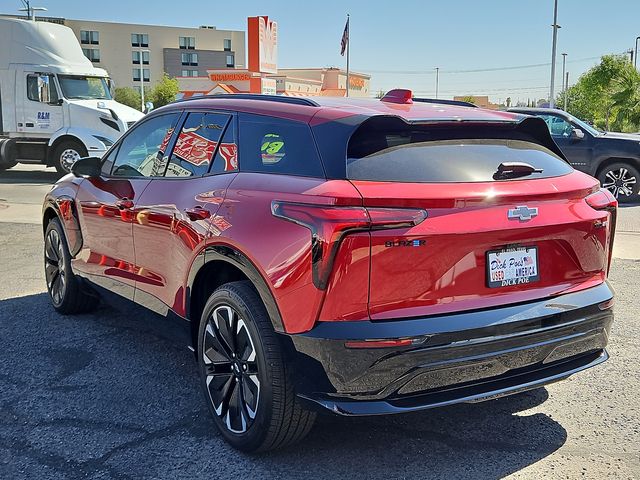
pixel 231 369
pixel 67 293
pixel 244 372
pixel 54 267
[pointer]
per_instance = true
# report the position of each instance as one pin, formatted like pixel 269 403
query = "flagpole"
pixel 348 45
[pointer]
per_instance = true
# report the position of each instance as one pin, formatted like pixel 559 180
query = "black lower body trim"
pixel 465 357
pixel 487 389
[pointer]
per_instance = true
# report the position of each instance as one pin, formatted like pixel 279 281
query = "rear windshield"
pixel 406 158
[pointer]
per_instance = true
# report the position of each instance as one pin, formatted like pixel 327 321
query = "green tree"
pixel 626 101
pixel 128 96
pixel 163 92
pixel 605 95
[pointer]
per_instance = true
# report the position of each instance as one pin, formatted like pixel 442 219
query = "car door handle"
pixel 124 204
pixel 197 213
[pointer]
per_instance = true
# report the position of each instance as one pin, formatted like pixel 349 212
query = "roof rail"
pixel 257 96
pixel 459 103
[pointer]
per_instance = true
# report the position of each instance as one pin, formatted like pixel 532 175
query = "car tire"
pixel 66 154
pixel 622 180
pixel 244 375
pixel 64 288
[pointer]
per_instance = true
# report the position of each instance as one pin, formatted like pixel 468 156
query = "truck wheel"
pixel 6 166
pixel 245 377
pixel 622 180
pixel 7 154
pixel 66 154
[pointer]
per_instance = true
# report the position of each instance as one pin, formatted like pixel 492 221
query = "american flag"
pixel 345 38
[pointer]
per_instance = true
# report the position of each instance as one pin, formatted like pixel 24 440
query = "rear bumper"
pixel 466 357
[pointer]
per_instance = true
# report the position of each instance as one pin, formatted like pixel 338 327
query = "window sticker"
pixel 229 152
pixel 194 148
pixel 273 148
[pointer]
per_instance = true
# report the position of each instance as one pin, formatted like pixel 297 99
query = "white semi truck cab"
pixel 55 106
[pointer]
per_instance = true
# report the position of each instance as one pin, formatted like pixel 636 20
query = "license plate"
pixel 512 266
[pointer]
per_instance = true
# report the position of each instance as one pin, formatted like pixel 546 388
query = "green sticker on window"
pixel 272 149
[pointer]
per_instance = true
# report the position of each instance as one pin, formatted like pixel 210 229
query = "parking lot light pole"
pixel 555 26
pixel 564 87
pixel 437 79
pixel 566 95
pixel 635 59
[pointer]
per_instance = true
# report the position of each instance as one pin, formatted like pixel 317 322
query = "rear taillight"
pixel 329 225
pixel 603 199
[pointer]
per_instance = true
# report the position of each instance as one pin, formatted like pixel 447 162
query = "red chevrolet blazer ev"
pixel 358 256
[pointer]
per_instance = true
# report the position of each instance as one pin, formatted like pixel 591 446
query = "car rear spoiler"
pixel 458 103
pixel 332 138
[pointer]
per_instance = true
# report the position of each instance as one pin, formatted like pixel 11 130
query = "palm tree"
pixel 626 100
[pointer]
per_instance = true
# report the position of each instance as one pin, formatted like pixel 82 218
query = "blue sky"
pixel 389 39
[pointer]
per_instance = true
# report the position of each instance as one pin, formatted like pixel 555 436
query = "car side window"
pixel 275 145
pixel 196 144
pixel 558 127
pixel 227 154
pixel 107 161
pixel 142 152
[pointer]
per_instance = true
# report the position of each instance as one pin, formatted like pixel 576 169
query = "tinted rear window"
pixel 472 160
pixel 275 145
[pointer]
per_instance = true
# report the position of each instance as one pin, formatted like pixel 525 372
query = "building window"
pixel 230 61
pixel 92 54
pixel 188 43
pixel 145 74
pixel 139 40
pixel 189 73
pixel 227 44
pixel 190 59
pixel 89 37
pixel 135 57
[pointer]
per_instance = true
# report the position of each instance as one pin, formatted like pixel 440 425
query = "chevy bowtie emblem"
pixel 522 213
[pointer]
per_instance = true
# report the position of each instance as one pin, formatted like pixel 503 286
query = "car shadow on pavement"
pixel 103 396
pixel 36 177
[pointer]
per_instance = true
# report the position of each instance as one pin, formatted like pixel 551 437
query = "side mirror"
pixel 148 107
pixel 576 134
pixel 87 167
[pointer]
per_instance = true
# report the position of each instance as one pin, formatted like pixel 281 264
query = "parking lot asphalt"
pixel 103 395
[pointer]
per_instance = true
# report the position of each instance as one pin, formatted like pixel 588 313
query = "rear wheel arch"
pixel 49 214
pixel 64 210
pixel 216 266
